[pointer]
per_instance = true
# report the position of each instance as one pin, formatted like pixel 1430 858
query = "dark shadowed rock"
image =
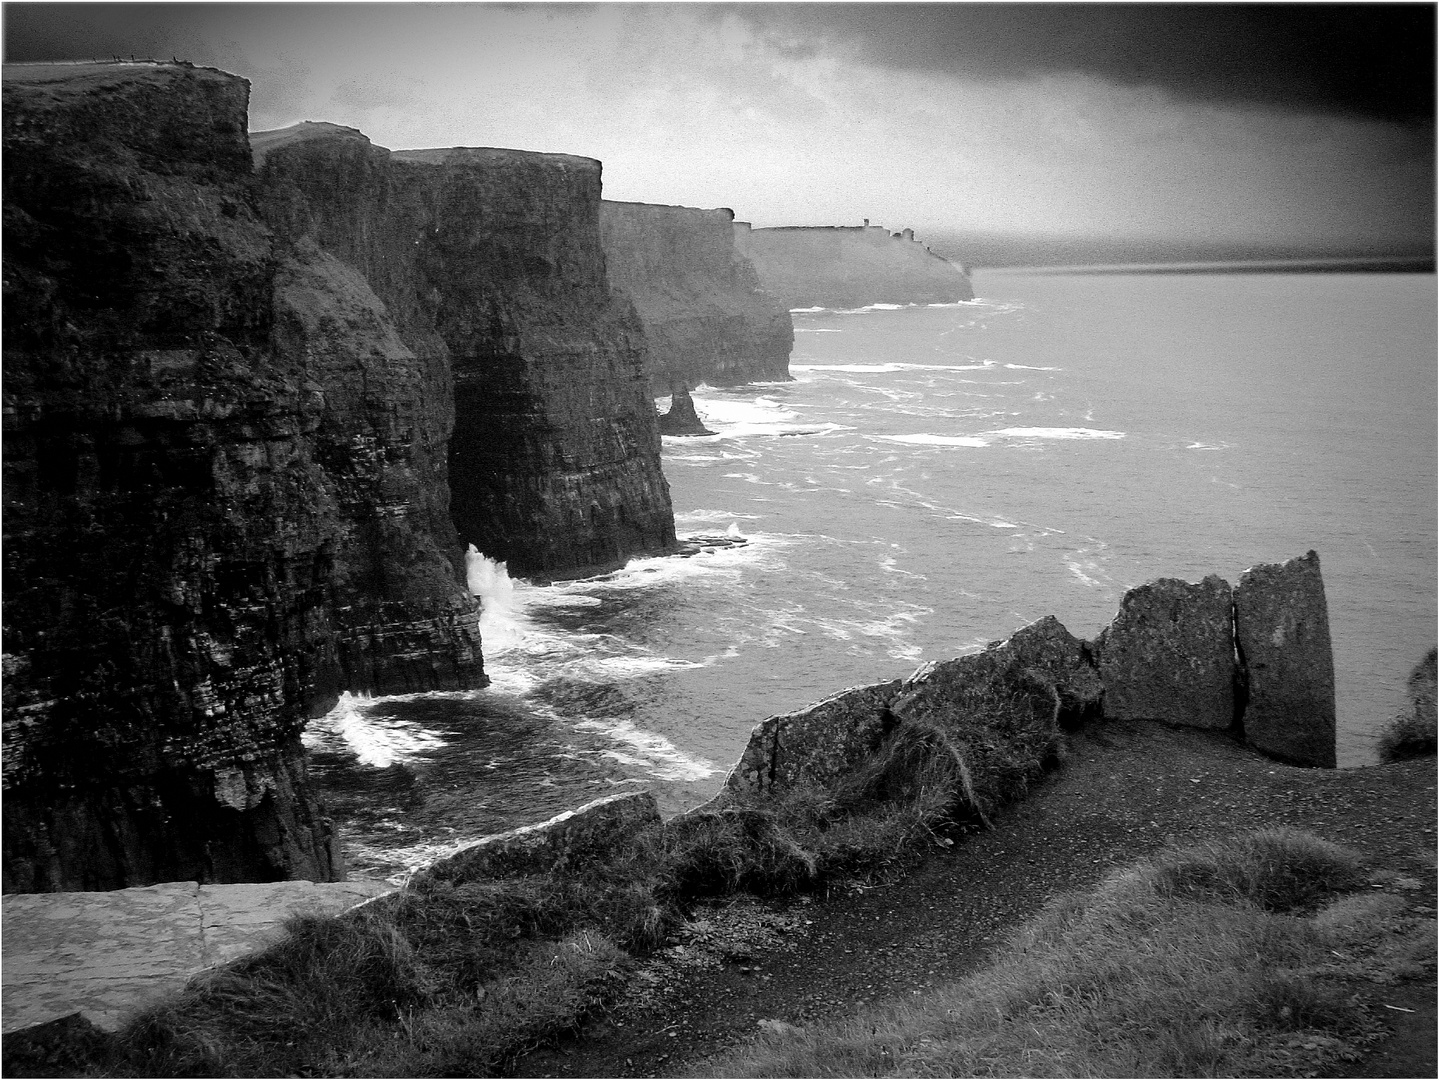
pixel 682 418
pixel 1282 627
pixel 587 834
pixel 1169 654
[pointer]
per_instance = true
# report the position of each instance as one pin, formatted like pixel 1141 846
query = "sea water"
pixel 934 478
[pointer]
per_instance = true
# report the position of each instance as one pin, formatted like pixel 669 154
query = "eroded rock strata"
pixel 849 267
pixel 706 318
pixel 236 404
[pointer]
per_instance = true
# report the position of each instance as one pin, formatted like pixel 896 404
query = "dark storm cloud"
pixel 1368 60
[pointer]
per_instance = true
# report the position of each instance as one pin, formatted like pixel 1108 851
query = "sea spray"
pixel 503 625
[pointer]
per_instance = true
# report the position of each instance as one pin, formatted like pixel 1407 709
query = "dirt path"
pixel 1125 789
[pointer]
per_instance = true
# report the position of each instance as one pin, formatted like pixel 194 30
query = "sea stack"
pixel 682 418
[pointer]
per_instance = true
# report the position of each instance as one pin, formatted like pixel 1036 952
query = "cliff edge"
pixel 258 397
pixel 706 318
pixel 849 267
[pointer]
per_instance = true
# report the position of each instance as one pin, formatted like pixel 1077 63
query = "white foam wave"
pixel 377 741
pixel 1030 367
pixel 925 439
pixel 651 751
pixel 714 515
pixel 734 418
pixel 1056 433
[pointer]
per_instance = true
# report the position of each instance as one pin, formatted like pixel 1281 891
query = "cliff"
pixel 169 534
pixel 705 316
pixel 235 407
pixel 490 264
pixel 848 267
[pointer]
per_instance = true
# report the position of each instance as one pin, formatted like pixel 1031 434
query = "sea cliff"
pixel 490 261
pixel 257 400
pixel 706 318
pixel 849 266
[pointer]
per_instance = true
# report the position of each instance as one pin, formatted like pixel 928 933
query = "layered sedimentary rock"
pixel 491 260
pixel 170 534
pixel 1169 654
pixel 849 267
pixel 1281 622
pixel 706 319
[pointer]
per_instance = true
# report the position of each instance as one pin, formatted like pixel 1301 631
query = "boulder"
pixel 590 833
pixel 1169 654
pixel 817 744
pixel 1281 623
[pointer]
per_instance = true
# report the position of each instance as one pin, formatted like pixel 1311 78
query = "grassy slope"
pixel 1202 961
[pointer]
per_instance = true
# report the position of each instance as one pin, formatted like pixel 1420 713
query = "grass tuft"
pixel 1414 732
pixel 1278 869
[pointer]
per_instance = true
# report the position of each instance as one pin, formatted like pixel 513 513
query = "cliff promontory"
pixel 253 412
pixel 849 266
pixel 489 262
pixel 705 316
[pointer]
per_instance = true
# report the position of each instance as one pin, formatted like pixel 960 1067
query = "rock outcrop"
pixel 1281 624
pixel 236 407
pixel 849 267
pixel 585 836
pixel 1000 710
pixel 681 419
pixel 705 316
pixel 1169 654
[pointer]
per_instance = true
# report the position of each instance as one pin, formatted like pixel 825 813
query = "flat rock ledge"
pixel 108 955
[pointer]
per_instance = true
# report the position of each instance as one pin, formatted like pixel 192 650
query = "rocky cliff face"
pixel 849 267
pixel 489 262
pixel 705 316
pixel 234 407
pixel 170 536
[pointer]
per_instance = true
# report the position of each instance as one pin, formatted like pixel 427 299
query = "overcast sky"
pixel 1286 123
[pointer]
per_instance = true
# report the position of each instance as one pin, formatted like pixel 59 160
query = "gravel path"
pixel 1125 789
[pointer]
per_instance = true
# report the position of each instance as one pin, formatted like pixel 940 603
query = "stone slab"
pixel 1169 654
pixel 241 919
pixel 108 955
pixel 1281 622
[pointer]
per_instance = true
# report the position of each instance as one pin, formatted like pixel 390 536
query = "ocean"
pixel 934 478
